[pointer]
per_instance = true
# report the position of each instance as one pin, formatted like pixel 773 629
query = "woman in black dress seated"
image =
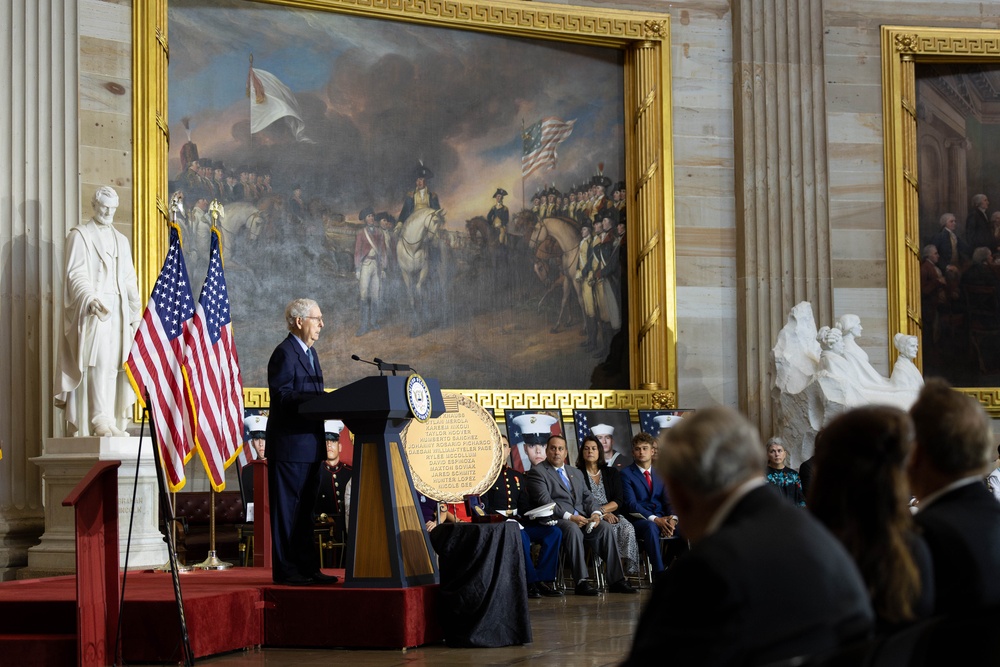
pixel 861 494
pixel 781 476
pixel 605 483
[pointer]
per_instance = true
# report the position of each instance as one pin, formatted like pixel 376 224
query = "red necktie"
pixel 649 480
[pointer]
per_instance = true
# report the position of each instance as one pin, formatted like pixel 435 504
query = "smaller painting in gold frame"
pixel 940 110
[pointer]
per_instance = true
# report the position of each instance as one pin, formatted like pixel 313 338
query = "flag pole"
pixel 524 203
pixel 250 108
pixel 213 562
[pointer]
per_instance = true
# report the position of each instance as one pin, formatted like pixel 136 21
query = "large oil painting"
pixel 941 104
pixel 453 200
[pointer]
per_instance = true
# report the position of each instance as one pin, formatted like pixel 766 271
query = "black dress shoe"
pixel 533 592
pixel 548 590
pixel 586 588
pixel 295 580
pixel 622 587
pixel 320 578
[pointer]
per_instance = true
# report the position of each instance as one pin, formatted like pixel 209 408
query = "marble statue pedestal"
pixel 65 462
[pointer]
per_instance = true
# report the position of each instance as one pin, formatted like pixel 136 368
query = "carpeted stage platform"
pixel 225 611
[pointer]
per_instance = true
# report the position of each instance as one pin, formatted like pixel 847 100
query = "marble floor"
pixel 572 630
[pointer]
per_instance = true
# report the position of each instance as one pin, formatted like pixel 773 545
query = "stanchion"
pixel 173 531
pixel 212 562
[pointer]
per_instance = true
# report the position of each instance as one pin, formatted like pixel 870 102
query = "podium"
pixel 387 544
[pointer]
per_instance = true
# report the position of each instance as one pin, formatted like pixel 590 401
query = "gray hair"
pixel 952 429
pixel 981 255
pixel 711 451
pixel 296 309
pixel 944 219
pixel 928 250
pixel 977 200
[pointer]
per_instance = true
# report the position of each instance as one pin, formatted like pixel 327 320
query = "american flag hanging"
pixel 156 362
pixel 216 383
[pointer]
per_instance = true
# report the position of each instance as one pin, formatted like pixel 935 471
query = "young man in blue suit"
pixel 295 447
pixel 645 494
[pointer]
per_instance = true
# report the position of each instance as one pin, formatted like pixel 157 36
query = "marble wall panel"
pixel 696 210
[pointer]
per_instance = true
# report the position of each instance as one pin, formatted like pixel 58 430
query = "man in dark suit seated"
pixel 295 447
pixel 645 495
pixel 509 495
pixel 764 581
pixel 959 517
pixel 577 516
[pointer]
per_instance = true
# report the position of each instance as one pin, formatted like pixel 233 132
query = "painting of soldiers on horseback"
pixel 453 200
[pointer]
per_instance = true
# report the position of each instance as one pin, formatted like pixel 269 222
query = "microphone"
pixel 379 362
pixel 364 361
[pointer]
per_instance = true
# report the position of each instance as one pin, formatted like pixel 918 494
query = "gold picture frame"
pixel 903 47
pixel 644 40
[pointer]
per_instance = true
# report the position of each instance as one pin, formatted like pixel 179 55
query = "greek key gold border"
pixel 902 48
pixel 538 399
pixel 644 37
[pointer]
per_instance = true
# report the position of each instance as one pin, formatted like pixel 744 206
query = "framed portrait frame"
pixel 521 458
pixel 643 38
pixel 615 423
pixel 904 48
pixel 650 420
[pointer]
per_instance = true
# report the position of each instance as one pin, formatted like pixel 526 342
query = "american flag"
pixel 156 362
pixel 648 419
pixel 216 385
pixel 540 141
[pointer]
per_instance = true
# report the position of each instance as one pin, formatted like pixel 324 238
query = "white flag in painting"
pixel 271 100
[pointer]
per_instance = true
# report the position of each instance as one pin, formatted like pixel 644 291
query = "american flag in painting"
pixel 540 142
pixel 156 362
pixel 216 384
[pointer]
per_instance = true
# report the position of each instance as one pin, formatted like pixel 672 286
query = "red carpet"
pixel 225 611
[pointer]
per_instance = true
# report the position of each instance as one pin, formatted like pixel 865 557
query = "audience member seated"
pixel 959 517
pixel 605 485
pixel 781 476
pixel 763 581
pixel 578 517
pixel 646 496
pixel 861 494
pixel 509 496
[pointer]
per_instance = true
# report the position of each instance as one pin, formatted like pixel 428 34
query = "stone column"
pixel 40 200
pixel 783 234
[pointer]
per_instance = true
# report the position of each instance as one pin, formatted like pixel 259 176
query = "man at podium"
pixel 295 447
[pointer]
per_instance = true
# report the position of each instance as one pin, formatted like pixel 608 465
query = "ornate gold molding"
pixel 902 49
pixel 644 39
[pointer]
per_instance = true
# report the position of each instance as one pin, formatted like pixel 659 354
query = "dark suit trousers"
pixel 293 487
pixel 649 533
pixel 601 540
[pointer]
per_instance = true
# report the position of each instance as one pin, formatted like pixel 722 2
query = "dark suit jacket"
pixel 639 499
pixel 291 383
pixel 771 583
pixel 545 486
pixel 509 492
pixel 962 529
